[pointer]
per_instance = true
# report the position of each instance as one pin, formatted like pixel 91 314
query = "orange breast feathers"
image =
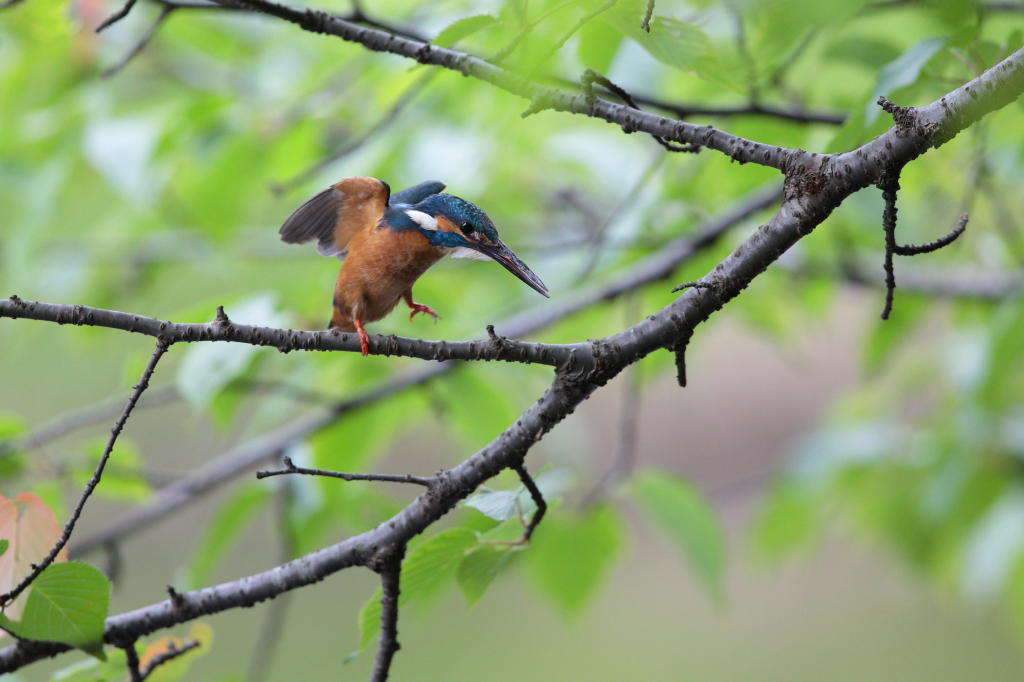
pixel 381 267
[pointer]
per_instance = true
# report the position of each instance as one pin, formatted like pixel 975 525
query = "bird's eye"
pixel 466 228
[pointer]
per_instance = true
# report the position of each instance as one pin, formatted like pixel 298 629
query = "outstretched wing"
pixel 333 216
pixel 417 193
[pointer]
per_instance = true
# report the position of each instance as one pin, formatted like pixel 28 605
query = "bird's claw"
pixel 420 308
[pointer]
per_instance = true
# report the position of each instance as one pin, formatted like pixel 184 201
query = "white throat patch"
pixel 465 252
pixel 425 221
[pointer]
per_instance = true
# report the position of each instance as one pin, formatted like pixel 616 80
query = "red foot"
pixel 364 340
pixel 418 307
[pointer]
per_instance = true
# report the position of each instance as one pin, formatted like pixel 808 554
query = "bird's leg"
pixel 364 340
pixel 417 307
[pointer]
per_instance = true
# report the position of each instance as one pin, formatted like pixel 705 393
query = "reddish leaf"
pixel 31 529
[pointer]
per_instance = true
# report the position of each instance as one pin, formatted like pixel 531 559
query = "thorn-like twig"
pixel 645 24
pixel 290 468
pixel 390 588
pixel 69 527
pixel 916 249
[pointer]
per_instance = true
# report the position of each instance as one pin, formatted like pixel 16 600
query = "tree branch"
pixel 737 148
pixel 813 190
pixel 232 463
pixel 286 340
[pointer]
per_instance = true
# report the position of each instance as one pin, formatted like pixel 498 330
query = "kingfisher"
pixel 387 241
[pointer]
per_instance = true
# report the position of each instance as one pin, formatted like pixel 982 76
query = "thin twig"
pixel 645 24
pixel 290 468
pixel 132 656
pixel 387 119
pixel 890 185
pixel 140 45
pixel 173 652
pixel 916 249
pixel 158 352
pixel 625 459
pixel 117 16
pixel 538 500
pixel 629 197
pixel 587 82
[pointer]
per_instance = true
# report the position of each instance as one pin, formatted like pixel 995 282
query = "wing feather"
pixel 336 214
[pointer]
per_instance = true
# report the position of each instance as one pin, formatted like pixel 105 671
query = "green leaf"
pixel 4 544
pixel 901 72
pixel 424 571
pixel 569 556
pixel 94 670
pixel 493 407
pixel 11 425
pixel 788 520
pixel 231 520
pixel 684 515
pixel 675 43
pixel 888 337
pixel 478 569
pixel 463 28
pixel 502 505
pixel 598 45
pixel 67 604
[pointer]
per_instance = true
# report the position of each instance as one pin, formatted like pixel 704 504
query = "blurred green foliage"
pixel 159 190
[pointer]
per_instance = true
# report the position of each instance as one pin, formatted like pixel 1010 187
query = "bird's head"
pixel 455 224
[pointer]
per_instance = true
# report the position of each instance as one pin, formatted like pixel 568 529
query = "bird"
pixel 387 241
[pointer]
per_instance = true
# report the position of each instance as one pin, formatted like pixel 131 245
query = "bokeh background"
pixel 863 478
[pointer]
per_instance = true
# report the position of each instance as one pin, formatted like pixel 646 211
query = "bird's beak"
pixel 510 261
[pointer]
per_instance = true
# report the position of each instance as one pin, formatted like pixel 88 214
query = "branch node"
pixel 222 317
pixel 177 601
pixel 905 118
